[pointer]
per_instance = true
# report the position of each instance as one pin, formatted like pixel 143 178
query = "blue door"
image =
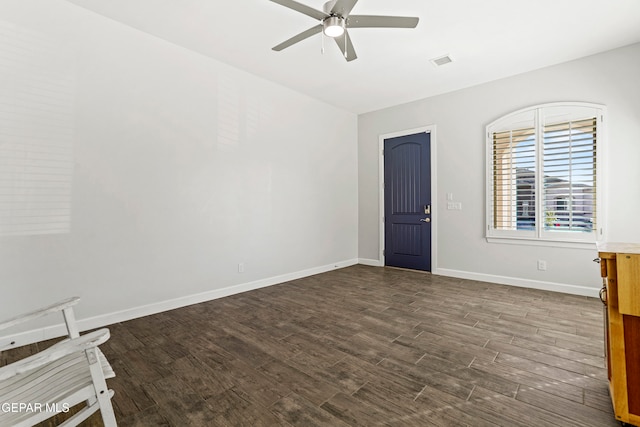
pixel 407 204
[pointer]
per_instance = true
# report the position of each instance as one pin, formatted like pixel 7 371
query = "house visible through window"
pixel 543 173
pixel 561 204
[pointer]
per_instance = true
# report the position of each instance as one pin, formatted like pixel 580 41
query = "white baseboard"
pixel 29 337
pixel 370 262
pixel 523 283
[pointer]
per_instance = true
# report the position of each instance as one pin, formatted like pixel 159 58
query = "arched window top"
pixel 561 111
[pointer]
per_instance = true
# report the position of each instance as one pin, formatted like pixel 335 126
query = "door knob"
pixel 426 219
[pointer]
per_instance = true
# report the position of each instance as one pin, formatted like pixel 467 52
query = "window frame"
pixel 539 236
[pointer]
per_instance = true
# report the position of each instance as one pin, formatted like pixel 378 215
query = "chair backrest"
pixel 64 375
pixel 65 306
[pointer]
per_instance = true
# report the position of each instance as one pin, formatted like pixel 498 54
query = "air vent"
pixel 442 60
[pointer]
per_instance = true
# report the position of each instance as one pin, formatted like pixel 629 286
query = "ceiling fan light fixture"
pixel 333 26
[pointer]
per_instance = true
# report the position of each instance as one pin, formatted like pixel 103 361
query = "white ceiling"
pixel 488 40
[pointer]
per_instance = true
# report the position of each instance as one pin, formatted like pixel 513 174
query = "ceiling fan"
pixel 335 21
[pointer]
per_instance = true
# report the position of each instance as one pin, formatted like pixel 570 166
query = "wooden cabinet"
pixel 620 268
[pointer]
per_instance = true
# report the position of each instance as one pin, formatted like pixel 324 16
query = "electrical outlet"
pixel 542 265
pixel 241 267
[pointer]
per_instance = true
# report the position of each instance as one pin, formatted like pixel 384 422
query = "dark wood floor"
pixel 366 346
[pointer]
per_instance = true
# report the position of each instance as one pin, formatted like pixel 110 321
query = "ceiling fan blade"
pixel 369 21
pixel 343 7
pixel 346 47
pixel 295 39
pixel 299 7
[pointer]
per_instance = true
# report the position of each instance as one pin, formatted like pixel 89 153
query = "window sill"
pixel 574 244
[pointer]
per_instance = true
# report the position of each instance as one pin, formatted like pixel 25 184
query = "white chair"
pixel 70 372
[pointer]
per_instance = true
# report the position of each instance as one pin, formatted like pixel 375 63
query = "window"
pixel 543 174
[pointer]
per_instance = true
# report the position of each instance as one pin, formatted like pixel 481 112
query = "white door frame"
pixel 430 129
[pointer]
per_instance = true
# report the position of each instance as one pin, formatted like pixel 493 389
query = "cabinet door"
pixel 632 355
pixel 629 284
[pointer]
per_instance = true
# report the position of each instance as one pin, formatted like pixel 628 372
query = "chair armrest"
pixel 55 352
pixel 59 306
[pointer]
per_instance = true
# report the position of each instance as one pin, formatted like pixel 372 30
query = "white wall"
pixel 610 78
pixel 183 168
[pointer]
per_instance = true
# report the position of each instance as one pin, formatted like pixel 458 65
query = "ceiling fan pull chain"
pixel 322 49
